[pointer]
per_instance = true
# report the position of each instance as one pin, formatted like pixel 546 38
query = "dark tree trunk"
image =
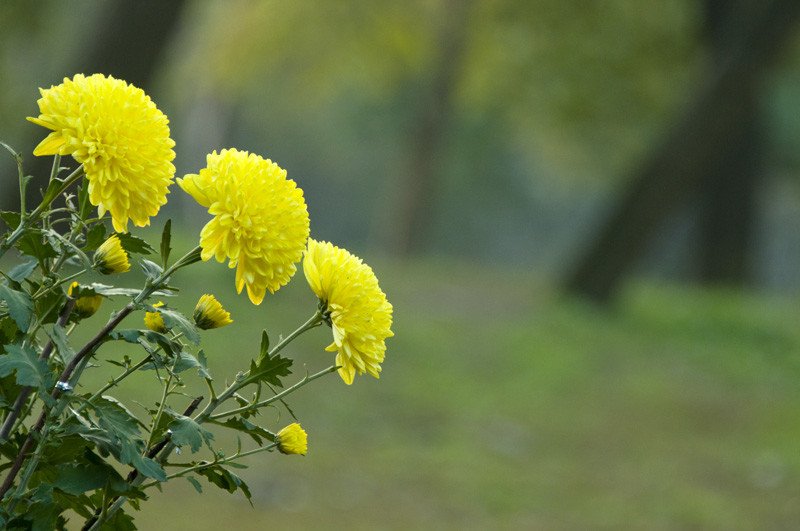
pixel 416 197
pixel 694 151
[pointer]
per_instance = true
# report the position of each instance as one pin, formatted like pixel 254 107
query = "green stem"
pixel 34 216
pixel 275 398
pixel 223 461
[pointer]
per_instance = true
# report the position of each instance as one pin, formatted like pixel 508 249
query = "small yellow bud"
pixel 292 440
pixel 209 313
pixel 111 257
pixel 87 305
pixel 154 321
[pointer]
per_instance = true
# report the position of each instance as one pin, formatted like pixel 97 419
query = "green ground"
pixel 501 406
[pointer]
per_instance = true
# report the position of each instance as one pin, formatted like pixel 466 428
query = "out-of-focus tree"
pixel 549 78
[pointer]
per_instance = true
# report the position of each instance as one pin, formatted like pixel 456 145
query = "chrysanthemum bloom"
pixel 110 257
pixel 87 305
pixel 154 321
pixel 260 219
pixel 119 136
pixel 209 313
pixel 292 440
pixel 355 308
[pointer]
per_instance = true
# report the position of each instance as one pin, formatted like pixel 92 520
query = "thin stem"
pixel 161 407
pixel 222 461
pixel 27 221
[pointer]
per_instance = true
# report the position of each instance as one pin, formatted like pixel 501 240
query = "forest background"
pixel 586 213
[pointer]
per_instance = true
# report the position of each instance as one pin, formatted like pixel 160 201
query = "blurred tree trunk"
pixel 702 154
pixel 416 196
pixel 129 43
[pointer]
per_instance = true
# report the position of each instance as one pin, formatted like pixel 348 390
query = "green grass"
pixel 503 406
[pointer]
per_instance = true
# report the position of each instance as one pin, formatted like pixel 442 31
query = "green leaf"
pixel 185 362
pixel 30 369
pixel 12 219
pixel 203 371
pixel 129 335
pixel 186 431
pixel 151 270
pixel 33 245
pixel 270 370
pixel 173 319
pixel 116 419
pixel 22 271
pixel 264 350
pixel 135 245
pixel 195 484
pixel 58 336
pixel 148 467
pixel 166 237
pixel 49 306
pixel 95 237
pixel 224 479
pixel 257 433
pixel 84 205
pixel 77 478
pixel 20 305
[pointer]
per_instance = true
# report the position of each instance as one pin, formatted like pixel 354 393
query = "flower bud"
pixel 87 305
pixel 209 313
pixel 110 257
pixel 292 440
pixel 154 321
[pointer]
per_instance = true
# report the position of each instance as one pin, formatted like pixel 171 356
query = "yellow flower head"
pixel 355 308
pixel 260 219
pixel 209 313
pixel 119 136
pixel 154 321
pixel 87 305
pixel 292 440
pixel 110 257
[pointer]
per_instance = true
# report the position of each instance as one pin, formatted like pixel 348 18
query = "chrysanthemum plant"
pixel 70 452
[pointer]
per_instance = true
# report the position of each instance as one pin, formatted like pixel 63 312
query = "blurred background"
pixel 586 214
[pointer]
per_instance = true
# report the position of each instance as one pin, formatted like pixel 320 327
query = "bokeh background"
pixel 586 214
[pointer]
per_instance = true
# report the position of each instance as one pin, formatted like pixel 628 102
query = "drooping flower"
pixel 110 257
pixel 260 219
pixel 154 321
pixel 293 440
pixel 87 305
pixel 354 307
pixel 209 313
pixel 119 136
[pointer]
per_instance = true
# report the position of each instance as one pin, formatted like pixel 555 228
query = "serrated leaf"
pixel 203 370
pixel 48 307
pixel 186 431
pixel 135 245
pixel 33 245
pixel 148 467
pixel 116 419
pixel 174 319
pixel 22 271
pixel 77 478
pixel 270 370
pixel 224 479
pixel 185 361
pixel 129 335
pixel 58 336
pixel 20 305
pixel 30 369
pixel 166 237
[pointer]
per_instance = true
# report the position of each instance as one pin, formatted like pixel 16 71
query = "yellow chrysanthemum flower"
pixel 209 313
pixel 154 321
pixel 260 219
pixel 110 257
pixel 119 136
pixel 292 440
pixel 356 308
pixel 87 305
